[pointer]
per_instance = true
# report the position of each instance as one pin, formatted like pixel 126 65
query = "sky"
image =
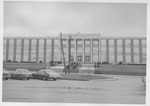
pixel 25 19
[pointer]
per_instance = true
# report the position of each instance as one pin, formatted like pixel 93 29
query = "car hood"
pixel 54 75
pixel 26 74
pixel 6 72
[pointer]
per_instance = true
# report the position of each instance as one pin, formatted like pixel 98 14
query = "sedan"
pixel 143 80
pixel 6 74
pixel 21 74
pixel 46 74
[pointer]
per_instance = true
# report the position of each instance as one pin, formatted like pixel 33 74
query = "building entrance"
pixel 87 58
pixel 72 58
pixel 79 58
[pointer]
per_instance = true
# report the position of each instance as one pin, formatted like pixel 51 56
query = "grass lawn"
pixel 83 77
pixel 138 70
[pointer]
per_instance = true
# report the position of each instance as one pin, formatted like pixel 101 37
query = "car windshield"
pixel 24 71
pixel 4 69
pixel 49 71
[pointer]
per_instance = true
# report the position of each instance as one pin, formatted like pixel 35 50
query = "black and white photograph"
pixel 65 52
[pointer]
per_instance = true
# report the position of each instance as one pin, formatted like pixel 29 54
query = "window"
pixel 17 71
pixel 79 58
pixel 72 58
pixel 41 72
pixel 87 58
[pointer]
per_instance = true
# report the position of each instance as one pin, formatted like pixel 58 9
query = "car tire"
pixel 44 78
pixel 18 78
pixel 28 78
pixel 6 78
pixel 33 77
pixel 54 79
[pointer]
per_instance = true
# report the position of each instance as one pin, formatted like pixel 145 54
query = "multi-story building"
pixel 85 48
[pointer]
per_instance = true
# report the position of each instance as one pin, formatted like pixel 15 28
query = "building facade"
pixel 86 48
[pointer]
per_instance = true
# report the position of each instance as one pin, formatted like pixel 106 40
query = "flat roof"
pixel 78 36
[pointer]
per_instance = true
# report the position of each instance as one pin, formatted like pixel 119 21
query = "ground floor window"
pixel 87 59
pixel 79 58
pixel 72 58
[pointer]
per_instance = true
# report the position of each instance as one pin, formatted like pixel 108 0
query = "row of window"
pixel 79 49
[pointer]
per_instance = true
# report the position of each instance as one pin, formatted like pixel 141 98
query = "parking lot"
pixel 120 90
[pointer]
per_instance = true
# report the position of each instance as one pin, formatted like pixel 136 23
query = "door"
pixel 79 58
pixel 87 59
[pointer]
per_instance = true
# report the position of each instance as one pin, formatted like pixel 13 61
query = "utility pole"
pixel 100 50
pixel 62 51
pixel 69 50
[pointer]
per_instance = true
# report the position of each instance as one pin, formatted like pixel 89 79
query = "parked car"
pixel 6 74
pixel 21 74
pixel 46 74
pixel 143 80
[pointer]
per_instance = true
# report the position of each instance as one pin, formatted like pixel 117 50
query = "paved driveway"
pixel 123 90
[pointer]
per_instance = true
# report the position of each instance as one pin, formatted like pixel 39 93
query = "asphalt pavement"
pixel 120 90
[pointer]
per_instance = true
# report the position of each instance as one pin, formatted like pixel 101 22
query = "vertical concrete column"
pixel 52 50
pixel 98 49
pixel 107 50
pixel 62 51
pixel 37 50
pixel 60 46
pixel 123 51
pixel 91 50
pixel 7 49
pixel 22 49
pixel 14 55
pixel 115 50
pixel 132 51
pixel 83 48
pixel 140 50
pixel 69 53
pixel 45 46
pixel 29 52
pixel 75 49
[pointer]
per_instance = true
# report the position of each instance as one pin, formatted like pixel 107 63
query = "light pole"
pixel 69 56
pixel 62 51
pixel 100 49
